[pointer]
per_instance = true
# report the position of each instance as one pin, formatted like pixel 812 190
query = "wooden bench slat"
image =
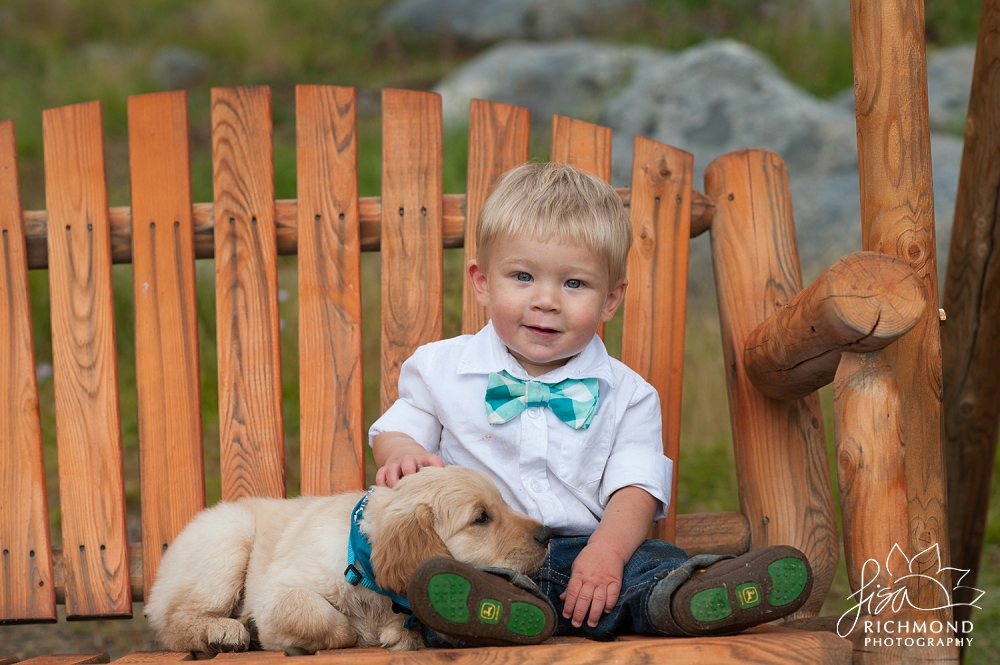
pixel 251 426
pixel 656 299
pixel 767 646
pixel 411 229
pixel 584 145
pixel 26 589
pixel 88 423
pixel 60 659
pixel 150 657
pixel 168 374
pixel 756 272
pixel 329 265
pixel 498 141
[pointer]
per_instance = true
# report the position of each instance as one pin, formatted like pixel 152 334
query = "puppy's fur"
pixel 281 562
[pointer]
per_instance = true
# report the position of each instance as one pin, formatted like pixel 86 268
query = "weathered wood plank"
pixel 26 589
pixel 150 657
pixel 168 379
pixel 498 141
pixel 251 430
pixel 411 229
pixel 897 218
pixel 785 647
pixel 863 302
pixel 656 299
pixel 970 340
pixel 330 376
pixel 583 144
pixel 756 271
pixel 587 147
pixel 369 211
pixel 88 422
pixel 871 465
pixel 713 533
pixel 59 659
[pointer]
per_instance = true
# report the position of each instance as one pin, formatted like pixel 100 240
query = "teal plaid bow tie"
pixel 574 401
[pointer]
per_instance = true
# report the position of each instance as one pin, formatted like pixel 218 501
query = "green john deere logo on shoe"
pixel 490 611
pixel 748 595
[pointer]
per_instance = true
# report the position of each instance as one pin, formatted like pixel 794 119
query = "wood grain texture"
pixel 897 218
pixel 871 465
pixel 785 647
pixel 583 144
pixel 167 363
pixel 780 446
pixel 587 147
pixel 656 298
pixel 60 659
pixel 251 429
pixel 498 141
pixel 26 589
pixel 713 533
pixel 147 657
pixel 286 211
pixel 330 377
pixel 970 340
pixel 88 422
pixel 863 302
pixel 411 229
pixel 134 567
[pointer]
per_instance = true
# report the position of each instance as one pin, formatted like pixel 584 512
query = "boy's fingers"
pixel 613 592
pixel 570 597
pixel 582 605
pixel 408 466
pixel 597 607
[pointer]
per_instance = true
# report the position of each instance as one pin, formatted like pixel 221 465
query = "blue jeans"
pixel 656 564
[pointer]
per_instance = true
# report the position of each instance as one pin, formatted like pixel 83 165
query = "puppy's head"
pixel 453 511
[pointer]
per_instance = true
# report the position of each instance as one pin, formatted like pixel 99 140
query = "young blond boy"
pixel 570 435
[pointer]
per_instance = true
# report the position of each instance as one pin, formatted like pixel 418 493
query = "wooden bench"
pixel 781 342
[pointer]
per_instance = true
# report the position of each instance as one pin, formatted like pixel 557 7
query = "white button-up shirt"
pixel 544 468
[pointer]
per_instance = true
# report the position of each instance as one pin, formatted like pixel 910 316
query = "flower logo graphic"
pixel 872 597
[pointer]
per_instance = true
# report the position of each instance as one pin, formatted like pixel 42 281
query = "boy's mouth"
pixel 542 331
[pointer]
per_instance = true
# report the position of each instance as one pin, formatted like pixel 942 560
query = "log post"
pixel 970 341
pixel 780 446
pixel 863 302
pixel 871 467
pixel 897 218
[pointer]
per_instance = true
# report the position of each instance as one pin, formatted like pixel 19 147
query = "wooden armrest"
pixel 863 302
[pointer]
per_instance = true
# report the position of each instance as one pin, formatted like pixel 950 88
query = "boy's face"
pixel 546 298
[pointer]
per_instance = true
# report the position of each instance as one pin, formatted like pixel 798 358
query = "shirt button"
pixel 537 486
pixel 533 412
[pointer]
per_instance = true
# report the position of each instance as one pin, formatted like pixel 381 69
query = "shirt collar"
pixel 486 353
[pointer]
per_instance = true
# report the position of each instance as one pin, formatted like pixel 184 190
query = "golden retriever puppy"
pixel 280 563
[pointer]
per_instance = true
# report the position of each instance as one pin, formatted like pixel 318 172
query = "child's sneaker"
pixel 496 608
pixel 734 594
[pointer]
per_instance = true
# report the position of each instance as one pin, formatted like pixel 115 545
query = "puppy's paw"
pixel 227 635
pixel 397 638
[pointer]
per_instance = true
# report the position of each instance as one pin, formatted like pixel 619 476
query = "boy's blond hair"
pixel 553 200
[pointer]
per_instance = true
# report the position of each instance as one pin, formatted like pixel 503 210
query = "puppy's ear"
pixel 405 540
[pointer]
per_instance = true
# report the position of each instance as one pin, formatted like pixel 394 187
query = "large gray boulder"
pixel 575 78
pixel 488 21
pixel 711 99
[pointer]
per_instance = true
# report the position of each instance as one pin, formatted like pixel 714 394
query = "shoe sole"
pixel 460 601
pixel 739 593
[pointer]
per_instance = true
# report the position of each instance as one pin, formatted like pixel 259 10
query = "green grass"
pixel 56 52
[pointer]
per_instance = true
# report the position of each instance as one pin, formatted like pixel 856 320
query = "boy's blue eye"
pixel 523 277
pixel 573 283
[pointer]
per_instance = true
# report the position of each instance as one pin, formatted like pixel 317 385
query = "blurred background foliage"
pixel 58 52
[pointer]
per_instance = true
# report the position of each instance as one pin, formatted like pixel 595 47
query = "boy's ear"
pixel 614 300
pixel 480 285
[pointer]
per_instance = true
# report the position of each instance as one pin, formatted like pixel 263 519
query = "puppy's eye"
pixel 483 518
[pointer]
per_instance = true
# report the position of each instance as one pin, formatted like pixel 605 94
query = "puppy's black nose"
pixel 542 536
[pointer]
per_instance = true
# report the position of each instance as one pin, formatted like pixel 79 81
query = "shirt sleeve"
pixel 637 458
pixel 415 411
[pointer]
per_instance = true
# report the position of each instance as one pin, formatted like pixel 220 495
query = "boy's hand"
pixel 398 455
pixel 594 584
